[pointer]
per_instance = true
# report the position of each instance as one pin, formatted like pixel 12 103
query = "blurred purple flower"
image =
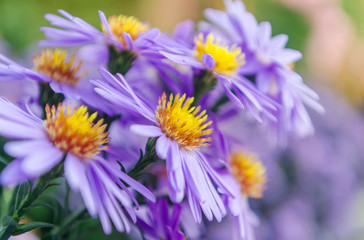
pixel 269 61
pixel 225 62
pixel 125 33
pixel 161 222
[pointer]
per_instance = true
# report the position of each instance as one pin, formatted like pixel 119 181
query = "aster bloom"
pixel 180 131
pixel 50 66
pixel 161 222
pixel 70 136
pixel 248 178
pixel 122 32
pixel 271 64
pixel 225 61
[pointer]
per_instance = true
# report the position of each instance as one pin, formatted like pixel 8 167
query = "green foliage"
pixel 355 10
pixel 120 61
pixel 23 228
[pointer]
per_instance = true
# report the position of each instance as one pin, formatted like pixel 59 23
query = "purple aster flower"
pixel 120 31
pixel 161 222
pixel 248 179
pixel 50 66
pixel 70 136
pixel 270 62
pixel 66 76
pixel 225 61
pixel 181 131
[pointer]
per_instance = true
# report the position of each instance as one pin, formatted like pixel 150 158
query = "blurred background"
pixel 316 185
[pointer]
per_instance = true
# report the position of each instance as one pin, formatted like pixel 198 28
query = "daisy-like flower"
pixel 247 178
pixel 122 32
pixel 271 63
pixel 63 74
pixel 70 135
pixel 181 131
pixel 158 221
pixel 225 62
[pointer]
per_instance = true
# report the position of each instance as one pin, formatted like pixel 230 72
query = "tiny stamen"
pixel 124 24
pixel 227 60
pixel 250 173
pixel 53 64
pixel 74 131
pixel 183 123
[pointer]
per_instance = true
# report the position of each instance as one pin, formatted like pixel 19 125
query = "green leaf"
pixel 56 207
pixel 41 205
pixel 21 193
pixel 9 224
pixel 23 228
pixel 3 161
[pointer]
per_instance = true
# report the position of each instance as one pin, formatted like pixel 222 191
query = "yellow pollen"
pixel 120 24
pixel 250 173
pixel 227 60
pixel 74 131
pixel 53 64
pixel 183 123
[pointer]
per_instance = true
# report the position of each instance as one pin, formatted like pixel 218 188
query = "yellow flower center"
pixel 74 131
pixel 131 25
pixel 250 173
pixel 183 123
pixel 53 64
pixel 227 60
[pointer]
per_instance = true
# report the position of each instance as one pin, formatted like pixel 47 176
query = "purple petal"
pixel 75 173
pixel 208 60
pixel 128 40
pixel 41 160
pixel 23 148
pixel 184 30
pixel 146 130
pixel 195 208
pixel 287 56
pixel 18 131
pixel 162 146
pixel 183 60
pixel 130 181
pixel 13 174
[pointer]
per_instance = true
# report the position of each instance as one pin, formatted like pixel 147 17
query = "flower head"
pixel 123 24
pixel 53 67
pixel 74 132
pixel 180 129
pixel 250 173
pixel 53 64
pixel 120 31
pixel 73 139
pixel 227 59
pixel 184 124
pixel 270 62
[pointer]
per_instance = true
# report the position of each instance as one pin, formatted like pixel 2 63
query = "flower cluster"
pixel 134 110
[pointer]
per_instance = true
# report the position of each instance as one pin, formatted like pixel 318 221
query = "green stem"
pixel 145 160
pixel 120 61
pixel 40 186
pixel 221 101
pixel 204 82
pixel 68 222
pixel 48 96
